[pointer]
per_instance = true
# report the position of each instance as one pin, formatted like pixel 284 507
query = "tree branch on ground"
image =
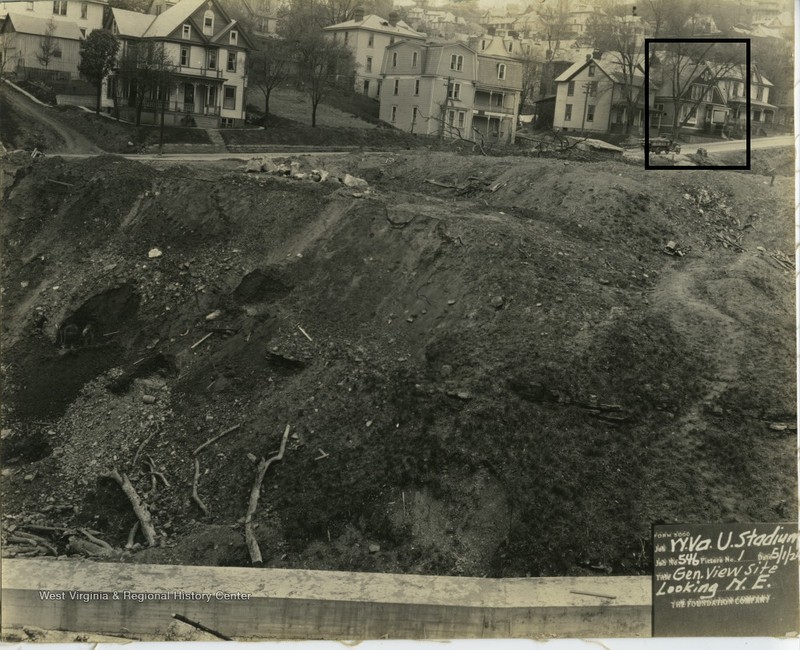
pixel 255 493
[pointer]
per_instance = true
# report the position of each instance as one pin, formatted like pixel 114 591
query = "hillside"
pixel 505 383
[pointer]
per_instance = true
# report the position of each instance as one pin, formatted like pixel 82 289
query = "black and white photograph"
pixel 397 320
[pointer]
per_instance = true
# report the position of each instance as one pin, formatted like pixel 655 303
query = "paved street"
pixel 740 145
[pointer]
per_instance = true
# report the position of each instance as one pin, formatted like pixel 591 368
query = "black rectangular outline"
pixel 647 42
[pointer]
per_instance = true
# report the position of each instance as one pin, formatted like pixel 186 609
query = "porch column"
pixel 194 99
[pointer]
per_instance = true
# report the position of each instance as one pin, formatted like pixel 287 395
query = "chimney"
pixel 597 54
pixel 358 14
pixel 588 57
pixel 393 18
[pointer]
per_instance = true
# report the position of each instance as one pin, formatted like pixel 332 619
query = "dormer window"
pixel 208 23
pixel 234 39
pixel 187 32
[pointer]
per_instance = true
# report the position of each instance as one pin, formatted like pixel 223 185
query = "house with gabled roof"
pixel 209 50
pixel 22 35
pixel 714 100
pixel 368 36
pixel 451 90
pixel 25 25
pixel 595 95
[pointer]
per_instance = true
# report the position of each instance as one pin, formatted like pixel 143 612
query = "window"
pixel 369 64
pixel 208 23
pixel 84 10
pixel 456 62
pixel 414 112
pixel 498 100
pixel 83 32
pixel 212 96
pixel 394 59
pixel 371 40
pixel 394 113
pixel 414 58
pixel 454 91
pixel 184 56
pixel 57 53
pixel 346 37
pixel 60 7
pixel 229 100
pixel 591 70
pixel 234 37
pixel 570 89
pixel 378 88
pixel 212 59
pixel 396 86
pixel 366 86
pixel 510 45
pixel 461 117
pixel 568 112
pixel 590 113
pixel 483 44
pixel 187 32
pixel 416 86
pixel 501 70
pixel 451 118
pixel 231 61
pixel 592 89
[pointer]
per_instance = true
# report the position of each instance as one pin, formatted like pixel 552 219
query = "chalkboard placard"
pixel 725 580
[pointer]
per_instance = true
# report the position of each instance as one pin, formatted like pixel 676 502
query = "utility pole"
pixel 586 90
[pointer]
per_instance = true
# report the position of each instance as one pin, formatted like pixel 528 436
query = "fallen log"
pixel 255 492
pixel 139 507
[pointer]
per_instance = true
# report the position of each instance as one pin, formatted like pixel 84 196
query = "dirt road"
pixel 26 125
pixel 757 143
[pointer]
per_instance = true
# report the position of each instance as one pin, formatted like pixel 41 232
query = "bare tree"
pixel 690 73
pixel 324 65
pixel 8 52
pixel 531 78
pixel 621 39
pixel 555 23
pixel 48 46
pixel 148 70
pixel 269 67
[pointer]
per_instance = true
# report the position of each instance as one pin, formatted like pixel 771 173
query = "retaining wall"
pixel 296 604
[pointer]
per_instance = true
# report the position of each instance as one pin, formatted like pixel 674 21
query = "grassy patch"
pixel 114 136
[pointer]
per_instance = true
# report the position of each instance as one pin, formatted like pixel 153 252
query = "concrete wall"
pixel 286 604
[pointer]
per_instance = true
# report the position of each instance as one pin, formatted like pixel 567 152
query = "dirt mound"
pixel 503 372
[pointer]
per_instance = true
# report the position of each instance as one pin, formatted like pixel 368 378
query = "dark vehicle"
pixel 664 145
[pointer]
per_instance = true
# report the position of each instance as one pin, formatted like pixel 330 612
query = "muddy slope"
pixel 480 383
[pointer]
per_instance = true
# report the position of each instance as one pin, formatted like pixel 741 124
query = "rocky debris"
pixel 154 253
pixel 374 548
pixel 355 182
pixel 293 170
pixel 497 302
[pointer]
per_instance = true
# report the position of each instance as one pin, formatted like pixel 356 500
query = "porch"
pixel 492 127
pixel 188 103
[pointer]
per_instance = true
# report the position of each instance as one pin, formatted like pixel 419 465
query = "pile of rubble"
pixel 293 170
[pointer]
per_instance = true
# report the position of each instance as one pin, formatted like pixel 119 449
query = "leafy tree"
pixel 269 66
pixel 48 46
pixel 98 56
pixel 531 71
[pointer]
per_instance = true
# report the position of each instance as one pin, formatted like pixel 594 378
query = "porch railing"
pixel 210 73
pixel 180 107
